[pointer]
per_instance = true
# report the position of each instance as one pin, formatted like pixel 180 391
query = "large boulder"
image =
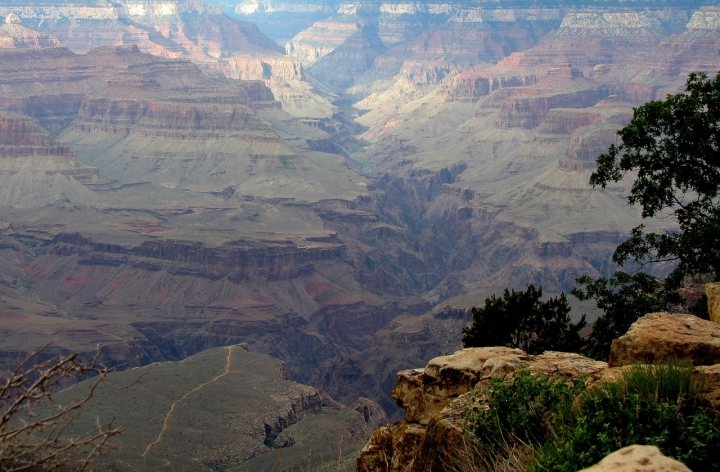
pixel 712 290
pixel 425 392
pixel 659 337
pixel 638 459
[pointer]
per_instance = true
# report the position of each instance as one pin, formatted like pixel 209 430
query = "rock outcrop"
pixel 712 290
pixel 13 35
pixel 431 436
pixel 434 399
pixel 637 458
pixel 661 337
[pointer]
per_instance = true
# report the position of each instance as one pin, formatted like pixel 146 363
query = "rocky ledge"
pixel 436 397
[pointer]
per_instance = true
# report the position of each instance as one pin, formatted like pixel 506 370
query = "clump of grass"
pixel 523 410
pixel 661 405
pixel 569 427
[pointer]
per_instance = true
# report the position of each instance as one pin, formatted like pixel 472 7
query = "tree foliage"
pixel 624 298
pixel 674 146
pixel 519 319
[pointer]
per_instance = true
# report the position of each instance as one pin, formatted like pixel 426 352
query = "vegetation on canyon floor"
pixel 568 426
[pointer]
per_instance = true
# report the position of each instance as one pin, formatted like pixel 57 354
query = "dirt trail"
pixel 172 408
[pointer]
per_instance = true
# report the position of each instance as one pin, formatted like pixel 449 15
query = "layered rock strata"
pixel 169 29
pixel 164 121
pixel 29 156
pixel 13 35
pixel 528 109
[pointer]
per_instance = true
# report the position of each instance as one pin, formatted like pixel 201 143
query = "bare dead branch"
pixel 33 427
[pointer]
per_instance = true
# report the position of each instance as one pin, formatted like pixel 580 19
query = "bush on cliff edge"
pixel 572 427
pixel 519 319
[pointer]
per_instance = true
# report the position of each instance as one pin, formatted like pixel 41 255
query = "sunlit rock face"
pixel 168 29
pixel 13 35
pixel 436 398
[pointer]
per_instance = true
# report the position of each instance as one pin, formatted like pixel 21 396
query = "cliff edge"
pixel 430 437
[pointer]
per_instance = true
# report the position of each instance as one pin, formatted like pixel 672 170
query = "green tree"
pixel 521 320
pixel 674 147
pixel 624 298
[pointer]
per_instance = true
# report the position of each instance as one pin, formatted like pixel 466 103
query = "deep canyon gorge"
pixel 331 184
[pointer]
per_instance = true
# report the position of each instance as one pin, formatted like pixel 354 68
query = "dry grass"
pixel 471 456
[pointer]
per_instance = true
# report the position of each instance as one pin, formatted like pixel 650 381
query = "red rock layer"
pixel 256 68
pixel 51 84
pixel 528 110
pixel 152 118
pixel 21 137
pixel 567 120
pixel 470 86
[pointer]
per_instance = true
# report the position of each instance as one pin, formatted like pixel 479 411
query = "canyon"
pixel 335 186
pixel 176 423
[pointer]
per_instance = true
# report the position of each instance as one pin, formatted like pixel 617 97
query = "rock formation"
pixel 35 169
pixel 167 29
pixel 712 291
pixel 405 342
pixel 660 336
pixel 638 459
pixel 430 436
pixel 435 397
pixel 464 170
pixel 14 35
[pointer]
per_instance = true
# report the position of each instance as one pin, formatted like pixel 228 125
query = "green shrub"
pixel 660 405
pixel 523 410
pixel 519 319
pixel 573 427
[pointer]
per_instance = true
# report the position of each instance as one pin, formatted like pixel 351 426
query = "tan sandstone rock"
pixel 436 398
pixel 425 392
pixel 711 380
pixel 459 372
pixel 660 337
pixel 564 364
pixel 377 452
pixel 712 290
pixel 638 459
